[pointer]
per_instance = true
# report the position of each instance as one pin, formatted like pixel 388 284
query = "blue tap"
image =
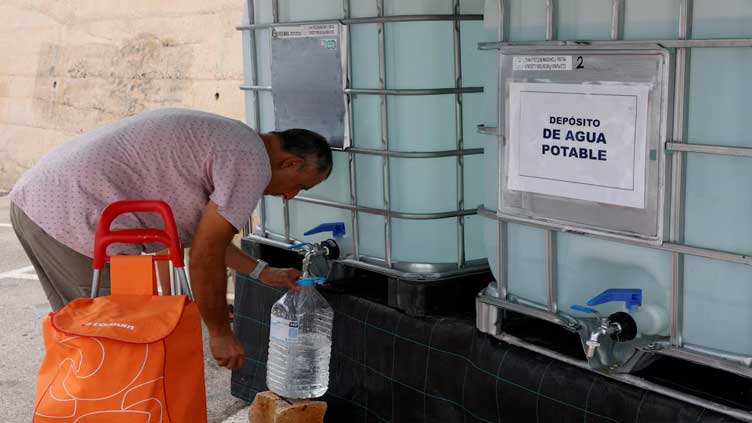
pixel 632 298
pixel 336 228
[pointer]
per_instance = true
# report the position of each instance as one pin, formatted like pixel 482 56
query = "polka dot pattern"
pixel 183 157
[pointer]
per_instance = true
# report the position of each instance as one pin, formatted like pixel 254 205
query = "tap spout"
pixel 607 328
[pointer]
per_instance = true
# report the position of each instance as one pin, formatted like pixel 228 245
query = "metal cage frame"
pixel 405 270
pixel 677 147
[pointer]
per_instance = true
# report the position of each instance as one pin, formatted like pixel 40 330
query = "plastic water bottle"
pixel 300 343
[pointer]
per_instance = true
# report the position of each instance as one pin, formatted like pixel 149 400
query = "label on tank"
pixel 283 329
pixel 542 63
pixel 580 141
pixel 305 31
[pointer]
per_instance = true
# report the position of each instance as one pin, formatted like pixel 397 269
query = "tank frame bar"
pixel 362 21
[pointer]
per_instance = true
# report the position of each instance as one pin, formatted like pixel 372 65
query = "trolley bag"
pixel 132 356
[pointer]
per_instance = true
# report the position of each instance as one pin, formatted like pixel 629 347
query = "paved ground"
pixel 22 308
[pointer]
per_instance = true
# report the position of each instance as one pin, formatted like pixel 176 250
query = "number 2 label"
pixel 579 63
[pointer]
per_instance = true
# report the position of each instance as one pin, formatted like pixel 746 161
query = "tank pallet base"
pixel 722 391
pixel 443 296
pixel 448 295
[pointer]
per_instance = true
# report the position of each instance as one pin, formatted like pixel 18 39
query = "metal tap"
pixel 309 251
pixel 606 327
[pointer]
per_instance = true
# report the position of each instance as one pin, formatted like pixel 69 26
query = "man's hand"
pixel 243 263
pixel 284 278
pixel 227 350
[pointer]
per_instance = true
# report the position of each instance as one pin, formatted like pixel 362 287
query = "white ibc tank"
pixel 717 295
pixel 418 55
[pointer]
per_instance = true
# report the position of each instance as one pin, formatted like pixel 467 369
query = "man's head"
pixel 300 159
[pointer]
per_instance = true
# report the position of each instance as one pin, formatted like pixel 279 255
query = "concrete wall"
pixel 70 66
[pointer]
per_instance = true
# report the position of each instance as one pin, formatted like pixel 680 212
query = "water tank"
pixel 410 176
pixel 700 270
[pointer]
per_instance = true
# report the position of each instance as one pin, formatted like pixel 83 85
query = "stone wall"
pixel 70 66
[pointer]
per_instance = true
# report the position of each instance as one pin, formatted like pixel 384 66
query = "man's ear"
pixel 292 163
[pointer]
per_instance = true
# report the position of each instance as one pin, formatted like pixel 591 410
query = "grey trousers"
pixel 64 273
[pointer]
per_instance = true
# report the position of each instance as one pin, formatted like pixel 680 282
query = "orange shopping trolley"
pixel 132 356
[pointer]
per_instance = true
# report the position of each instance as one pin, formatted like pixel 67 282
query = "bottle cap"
pixel 310 281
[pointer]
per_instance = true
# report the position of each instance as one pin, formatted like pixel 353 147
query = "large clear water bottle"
pixel 300 343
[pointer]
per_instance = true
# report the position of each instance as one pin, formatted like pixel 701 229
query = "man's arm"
pixel 236 259
pixel 239 261
pixel 209 284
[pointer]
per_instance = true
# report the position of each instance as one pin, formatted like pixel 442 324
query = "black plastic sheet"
pixel 389 367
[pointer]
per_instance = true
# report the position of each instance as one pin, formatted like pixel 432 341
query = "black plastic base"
pixel 275 257
pixel 444 296
pixel 725 388
pixel 452 295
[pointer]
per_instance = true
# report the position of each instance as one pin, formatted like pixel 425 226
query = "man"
pixel 211 170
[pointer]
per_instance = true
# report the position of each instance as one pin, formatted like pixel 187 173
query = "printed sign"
pixel 542 63
pixel 306 31
pixel 581 141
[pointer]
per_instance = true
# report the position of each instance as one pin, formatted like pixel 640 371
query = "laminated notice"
pixel 283 329
pixel 306 31
pixel 542 63
pixel 581 141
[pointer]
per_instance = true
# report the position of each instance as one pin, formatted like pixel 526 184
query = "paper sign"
pixel 580 141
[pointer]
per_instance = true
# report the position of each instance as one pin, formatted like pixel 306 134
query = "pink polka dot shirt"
pixel 183 157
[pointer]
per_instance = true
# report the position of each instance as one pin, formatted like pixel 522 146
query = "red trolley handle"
pixel 168 237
